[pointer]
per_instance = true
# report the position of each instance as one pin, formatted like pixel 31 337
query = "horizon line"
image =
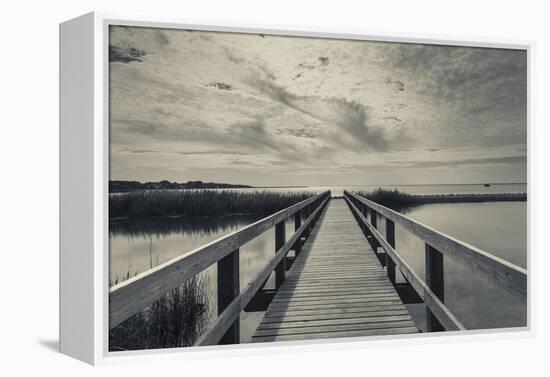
pixel 343 185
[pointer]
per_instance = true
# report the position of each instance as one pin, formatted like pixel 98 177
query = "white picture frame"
pixel 84 167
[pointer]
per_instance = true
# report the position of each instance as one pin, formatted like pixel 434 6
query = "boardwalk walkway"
pixel 335 288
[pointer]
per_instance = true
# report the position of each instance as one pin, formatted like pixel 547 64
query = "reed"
pixel 175 320
pixel 197 203
pixel 393 199
pixel 398 200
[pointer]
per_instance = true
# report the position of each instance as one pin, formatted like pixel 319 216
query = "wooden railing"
pixel 437 245
pixel 133 295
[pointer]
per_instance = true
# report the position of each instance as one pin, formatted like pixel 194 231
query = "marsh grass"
pixel 196 203
pixel 175 320
pixel 393 199
pixel 398 200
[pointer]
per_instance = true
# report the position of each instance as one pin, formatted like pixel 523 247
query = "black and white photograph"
pixel 272 188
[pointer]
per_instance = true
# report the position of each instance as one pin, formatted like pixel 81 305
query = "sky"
pixel 267 110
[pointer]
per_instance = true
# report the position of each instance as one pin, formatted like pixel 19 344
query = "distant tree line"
pixel 125 186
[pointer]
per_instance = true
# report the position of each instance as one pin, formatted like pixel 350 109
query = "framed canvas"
pixel 245 187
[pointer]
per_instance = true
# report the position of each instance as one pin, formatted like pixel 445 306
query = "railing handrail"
pixel 511 277
pixel 133 295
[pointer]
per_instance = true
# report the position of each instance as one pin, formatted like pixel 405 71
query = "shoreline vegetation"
pixel 199 203
pixel 177 319
pixel 128 186
pixel 397 200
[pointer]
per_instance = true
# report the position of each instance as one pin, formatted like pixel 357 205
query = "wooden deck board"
pixel 335 288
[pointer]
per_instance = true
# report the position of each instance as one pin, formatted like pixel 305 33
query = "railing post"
pixel 435 281
pixel 297 225
pixel 365 211
pixel 309 212
pixel 390 237
pixel 228 289
pixel 373 221
pixel 279 242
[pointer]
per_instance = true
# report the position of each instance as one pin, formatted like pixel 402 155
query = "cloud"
pixel 162 38
pixel 219 85
pixel 470 161
pixel 141 151
pixel 348 116
pixel 299 132
pixel 125 55
pixel 253 134
pixel 213 152
pixel 393 118
pixel 312 104
pixel 397 85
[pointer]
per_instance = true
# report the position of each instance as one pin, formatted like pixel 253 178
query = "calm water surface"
pixel 499 228
pixel 494 188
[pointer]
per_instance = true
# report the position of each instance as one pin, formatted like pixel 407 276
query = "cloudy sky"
pixel 270 110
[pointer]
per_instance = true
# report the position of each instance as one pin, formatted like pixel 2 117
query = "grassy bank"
pixel 197 203
pixel 397 200
pixel 175 320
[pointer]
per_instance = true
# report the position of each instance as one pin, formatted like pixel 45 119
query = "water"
pixel 499 228
pixel 494 188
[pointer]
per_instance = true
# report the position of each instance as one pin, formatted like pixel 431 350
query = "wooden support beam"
pixel 310 209
pixel 297 225
pixel 435 281
pixel 373 220
pixel 228 289
pixel 390 237
pixel 279 242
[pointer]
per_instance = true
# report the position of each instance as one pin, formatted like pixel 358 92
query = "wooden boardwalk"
pixel 335 288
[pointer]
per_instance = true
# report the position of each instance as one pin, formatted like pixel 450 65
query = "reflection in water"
pixel 164 226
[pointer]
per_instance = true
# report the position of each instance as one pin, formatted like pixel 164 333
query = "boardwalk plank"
pixel 337 334
pixel 333 328
pixel 326 315
pixel 334 321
